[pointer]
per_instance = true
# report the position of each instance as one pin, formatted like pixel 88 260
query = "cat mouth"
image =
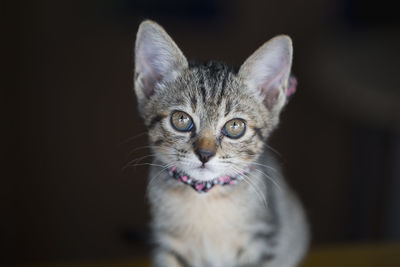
pixel 203 170
pixel 199 170
pixel 206 170
pixel 204 167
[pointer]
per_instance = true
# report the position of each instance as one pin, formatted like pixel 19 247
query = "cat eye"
pixel 181 121
pixel 234 128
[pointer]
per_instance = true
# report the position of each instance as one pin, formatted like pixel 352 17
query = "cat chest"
pixel 206 229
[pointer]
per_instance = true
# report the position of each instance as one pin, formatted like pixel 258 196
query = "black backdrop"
pixel 70 115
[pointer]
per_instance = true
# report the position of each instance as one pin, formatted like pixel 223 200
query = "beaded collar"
pixel 205 186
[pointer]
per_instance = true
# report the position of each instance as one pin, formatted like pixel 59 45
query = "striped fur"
pixel 258 222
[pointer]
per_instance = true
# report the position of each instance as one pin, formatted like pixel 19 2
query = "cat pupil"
pixel 183 120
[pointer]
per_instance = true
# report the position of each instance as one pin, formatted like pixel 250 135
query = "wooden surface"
pixel 360 255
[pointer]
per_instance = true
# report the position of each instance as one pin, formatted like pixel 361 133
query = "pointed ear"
pixel 157 59
pixel 267 71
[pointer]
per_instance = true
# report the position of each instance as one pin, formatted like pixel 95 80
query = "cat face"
pixel 207 125
pixel 207 119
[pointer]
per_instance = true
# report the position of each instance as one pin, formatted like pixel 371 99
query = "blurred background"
pixel 71 127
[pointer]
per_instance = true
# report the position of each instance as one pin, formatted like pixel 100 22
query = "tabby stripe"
pixel 264 235
pixel 274 216
pixel 228 107
pixel 202 88
pixel 239 253
pixel 203 92
pixel 213 83
pixel 259 133
pixel 271 193
pixel 155 120
pixel 193 102
pixel 250 152
pixel 158 142
pixel 193 132
pixel 179 257
pixel 266 257
pixel 221 94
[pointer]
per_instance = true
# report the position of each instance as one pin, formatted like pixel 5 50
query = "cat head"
pixel 208 120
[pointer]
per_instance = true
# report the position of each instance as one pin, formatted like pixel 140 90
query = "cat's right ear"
pixel 158 60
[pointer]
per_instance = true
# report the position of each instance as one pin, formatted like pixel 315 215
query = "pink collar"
pixel 205 186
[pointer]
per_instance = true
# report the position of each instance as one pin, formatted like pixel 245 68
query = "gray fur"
pixel 258 222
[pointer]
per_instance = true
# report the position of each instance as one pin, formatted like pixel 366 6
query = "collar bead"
pixel 205 186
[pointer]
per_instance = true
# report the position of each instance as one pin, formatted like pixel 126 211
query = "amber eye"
pixel 181 121
pixel 234 128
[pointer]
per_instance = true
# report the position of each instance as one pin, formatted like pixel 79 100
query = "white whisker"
pixel 273 150
pixel 266 166
pixel 270 179
pixel 149 164
pixel 247 179
pixel 153 179
pixel 137 160
pixel 141 147
pixel 132 138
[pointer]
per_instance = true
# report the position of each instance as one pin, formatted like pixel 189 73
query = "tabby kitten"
pixel 217 196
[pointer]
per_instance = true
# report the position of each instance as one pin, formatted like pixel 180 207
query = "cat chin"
pixel 206 173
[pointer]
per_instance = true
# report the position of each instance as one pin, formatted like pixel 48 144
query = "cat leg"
pixel 168 258
pixel 258 253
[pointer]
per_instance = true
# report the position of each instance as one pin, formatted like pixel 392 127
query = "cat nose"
pixel 204 155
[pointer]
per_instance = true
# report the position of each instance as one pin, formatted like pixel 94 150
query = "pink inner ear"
pixel 271 97
pixel 292 86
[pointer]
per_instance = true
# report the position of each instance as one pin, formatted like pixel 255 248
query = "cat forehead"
pixel 212 68
pixel 210 92
pixel 211 82
pixel 210 88
pixel 211 76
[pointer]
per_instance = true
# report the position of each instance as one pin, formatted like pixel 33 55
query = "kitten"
pixel 217 196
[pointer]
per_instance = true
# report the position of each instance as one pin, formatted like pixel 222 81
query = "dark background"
pixel 70 115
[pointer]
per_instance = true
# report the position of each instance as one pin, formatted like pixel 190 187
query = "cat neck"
pixel 201 186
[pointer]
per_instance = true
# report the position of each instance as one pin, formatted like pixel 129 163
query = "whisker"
pixel 260 195
pixel 273 150
pixel 149 164
pixel 132 138
pixel 141 147
pixel 270 179
pixel 153 179
pixel 137 160
pixel 266 166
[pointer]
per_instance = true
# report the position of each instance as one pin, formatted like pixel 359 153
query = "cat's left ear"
pixel 158 60
pixel 267 71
